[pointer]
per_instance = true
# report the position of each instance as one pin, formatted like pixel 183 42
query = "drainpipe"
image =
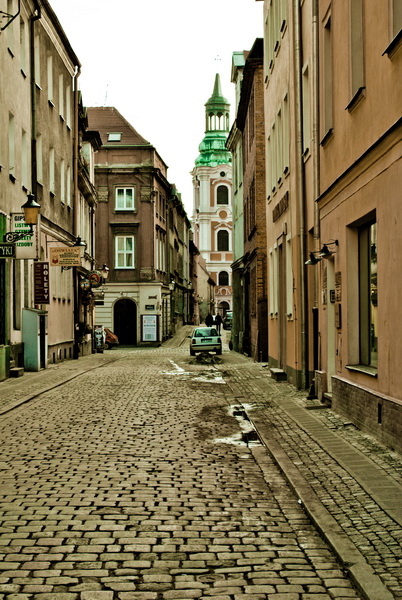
pixel 300 190
pixel 316 177
pixel 75 210
pixel 34 17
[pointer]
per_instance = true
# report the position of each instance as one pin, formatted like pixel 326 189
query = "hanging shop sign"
pixel 65 257
pixel 96 279
pixel 26 247
pixel 41 283
pixel 85 285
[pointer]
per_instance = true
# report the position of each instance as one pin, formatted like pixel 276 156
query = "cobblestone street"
pixel 141 478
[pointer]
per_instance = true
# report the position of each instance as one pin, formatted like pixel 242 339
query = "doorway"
pixel 125 321
pixel 282 312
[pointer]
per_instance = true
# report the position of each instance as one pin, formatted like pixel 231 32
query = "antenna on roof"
pixel 107 88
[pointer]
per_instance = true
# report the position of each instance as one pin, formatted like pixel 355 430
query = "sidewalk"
pixel 349 485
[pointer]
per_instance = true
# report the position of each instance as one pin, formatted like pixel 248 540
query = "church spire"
pixel 213 147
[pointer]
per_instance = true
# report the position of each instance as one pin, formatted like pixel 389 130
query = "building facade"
pixel 250 122
pixel 39 153
pixel 212 214
pixel 142 235
pixel 360 212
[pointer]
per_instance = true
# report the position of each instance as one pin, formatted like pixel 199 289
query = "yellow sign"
pixel 65 257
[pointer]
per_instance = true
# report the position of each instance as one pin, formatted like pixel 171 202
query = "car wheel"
pixel 107 346
pixel 192 353
pixel 219 351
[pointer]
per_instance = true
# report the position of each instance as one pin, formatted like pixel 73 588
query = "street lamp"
pixel 105 272
pixel 31 212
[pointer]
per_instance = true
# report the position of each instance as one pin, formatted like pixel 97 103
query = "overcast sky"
pixel 155 61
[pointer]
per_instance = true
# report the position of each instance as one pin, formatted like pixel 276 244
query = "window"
pixel 24 159
pixel 222 194
pixel 51 171
pixel 396 17
pixel 61 95
pixel 62 182
pixel 37 60
pixel 125 198
pixel 124 257
pixel 368 294
pixel 223 240
pixel 68 187
pixel 223 278
pixel 39 159
pixel 23 52
pixel 327 79
pixel 356 47
pixel 50 79
pixel 306 109
pixel 11 145
pixel 68 106
pixel 114 137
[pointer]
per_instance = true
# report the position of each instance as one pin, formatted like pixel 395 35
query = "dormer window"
pixel 114 137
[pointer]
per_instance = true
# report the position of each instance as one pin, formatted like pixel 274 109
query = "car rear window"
pixel 205 332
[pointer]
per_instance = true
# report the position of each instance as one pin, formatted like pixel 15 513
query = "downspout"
pixel 300 190
pixel 34 165
pixel 316 179
pixel 75 153
pixel 75 210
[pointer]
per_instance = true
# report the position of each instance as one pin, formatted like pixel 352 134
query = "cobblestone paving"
pixel 374 533
pixel 114 486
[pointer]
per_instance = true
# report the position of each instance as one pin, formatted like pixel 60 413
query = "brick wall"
pixel 379 415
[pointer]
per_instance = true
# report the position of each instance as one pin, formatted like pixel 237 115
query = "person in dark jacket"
pixel 218 322
pixel 209 320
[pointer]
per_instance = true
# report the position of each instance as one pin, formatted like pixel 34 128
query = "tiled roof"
pixel 106 120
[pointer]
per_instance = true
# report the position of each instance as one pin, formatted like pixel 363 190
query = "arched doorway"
pixel 223 308
pixel 125 321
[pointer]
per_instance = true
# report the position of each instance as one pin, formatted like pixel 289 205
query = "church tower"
pixel 212 185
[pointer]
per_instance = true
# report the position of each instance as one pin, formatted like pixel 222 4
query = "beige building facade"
pixel 360 208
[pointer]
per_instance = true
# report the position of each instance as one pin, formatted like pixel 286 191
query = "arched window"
pixel 223 278
pixel 223 240
pixel 222 195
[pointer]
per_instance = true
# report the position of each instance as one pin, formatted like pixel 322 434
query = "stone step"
pixel 278 374
pixel 16 372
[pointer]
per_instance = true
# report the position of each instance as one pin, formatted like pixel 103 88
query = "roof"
pixel 106 120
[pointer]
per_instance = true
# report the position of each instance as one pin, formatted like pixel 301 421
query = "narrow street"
pixel 143 478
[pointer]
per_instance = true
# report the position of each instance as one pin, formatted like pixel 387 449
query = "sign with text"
pixel 26 247
pixel 65 257
pixel 41 283
pixel 149 328
pixel 7 250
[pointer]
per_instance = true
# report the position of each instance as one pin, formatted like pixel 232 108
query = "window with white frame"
pixel 396 17
pixel 37 60
pixel 23 45
pixel 124 198
pixel 223 278
pixel 124 252
pixel 24 159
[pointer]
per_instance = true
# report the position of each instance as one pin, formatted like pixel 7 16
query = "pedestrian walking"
pixel 209 320
pixel 218 322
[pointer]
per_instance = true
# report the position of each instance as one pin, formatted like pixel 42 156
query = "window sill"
pixel 51 103
pixel 327 137
pixel 12 178
pixel 390 50
pixel 357 97
pixel 365 369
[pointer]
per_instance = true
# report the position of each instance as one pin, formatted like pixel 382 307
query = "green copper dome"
pixel 212 149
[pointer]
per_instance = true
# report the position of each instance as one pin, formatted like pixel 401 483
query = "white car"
pixel 205 339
